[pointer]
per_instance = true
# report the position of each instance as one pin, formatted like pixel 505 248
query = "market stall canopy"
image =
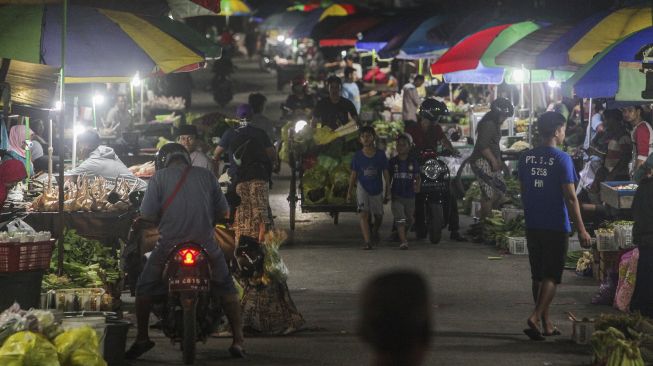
pixel 304 29
pixel 378 37
pixel 230 8
pixel 613 27
pixel 473 22
pixel 600 77
pixel 282 21
pixel 482 47
pixel 338 10
pixel 347 33
pixel 526 50
pixel 424 42
pixel 193 8
pixel 556 54
pixel 310 6
pixel 498 75
pixel 101 45
pixel 32 85
pixel 391 49
pixel 324 27
pixel 269 8
pixel 188 36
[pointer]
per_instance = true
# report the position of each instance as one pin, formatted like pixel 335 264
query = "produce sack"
pixel 339 185
pixel 28 349
pixel 626 284
pixel 79 347
pixel 327 162
pixel 314 187
pixel 273 264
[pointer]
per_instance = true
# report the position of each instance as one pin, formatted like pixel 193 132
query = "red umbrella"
pixel 467 54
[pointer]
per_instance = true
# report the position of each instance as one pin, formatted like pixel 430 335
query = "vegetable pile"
pixel 328 180
pixel 494 230
pixel 87 263
pixel 33 337
pixel 623 340
pixel 85 194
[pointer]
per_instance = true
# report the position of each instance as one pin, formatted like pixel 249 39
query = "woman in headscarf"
pixel 11 172
pixel 17 143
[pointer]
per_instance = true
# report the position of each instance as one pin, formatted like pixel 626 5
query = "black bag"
pixel 248 259
pixel 251 158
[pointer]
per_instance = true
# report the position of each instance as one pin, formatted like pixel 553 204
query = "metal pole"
pixel 532 111
pixel 74 152
pixel 64 26
pixel 28 152
pixel 50 152
pixel 141 119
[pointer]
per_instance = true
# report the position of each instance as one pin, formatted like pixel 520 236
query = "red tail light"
pixel 188 256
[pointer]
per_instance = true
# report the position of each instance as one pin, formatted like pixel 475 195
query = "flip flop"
pixel 138 349
pixel 555 332
pixel 534 334
pixel 237 352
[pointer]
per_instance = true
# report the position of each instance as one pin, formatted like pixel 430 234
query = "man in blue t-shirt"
pixel 369 168
pixel 350 89
pixel 547 177
pixel 405 181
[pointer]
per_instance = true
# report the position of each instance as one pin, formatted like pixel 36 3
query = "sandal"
pixel 237 352
pixel 367 246
pixel 403 246
pixel 554 332
pixel 138 349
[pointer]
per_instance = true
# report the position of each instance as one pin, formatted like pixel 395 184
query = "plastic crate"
pixel 623 235
pixel 517 245
pixel 605 242
pixel 18 257
pixel 510 214
pixel 88 299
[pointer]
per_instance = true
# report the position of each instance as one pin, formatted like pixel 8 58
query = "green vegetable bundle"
pixel 497 231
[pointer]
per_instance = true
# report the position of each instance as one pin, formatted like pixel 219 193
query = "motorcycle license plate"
pixel 188 283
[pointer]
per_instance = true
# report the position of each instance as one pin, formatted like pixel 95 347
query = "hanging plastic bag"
pixel 19 225
pixel 627 276
pixel 79 347
pixel 28 349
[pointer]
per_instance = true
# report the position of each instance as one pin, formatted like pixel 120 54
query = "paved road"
pixel 480 305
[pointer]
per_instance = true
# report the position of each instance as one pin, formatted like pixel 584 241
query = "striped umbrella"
pixel 101 45
pixel 338 10
pixel 231 8
pixel 600 77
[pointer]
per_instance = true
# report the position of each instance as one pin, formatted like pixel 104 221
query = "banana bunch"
pixel 613 349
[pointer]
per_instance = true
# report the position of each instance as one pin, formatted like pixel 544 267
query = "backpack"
pixel 250 157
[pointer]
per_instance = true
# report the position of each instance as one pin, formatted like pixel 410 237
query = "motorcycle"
pixel 435 187
pixel 190 312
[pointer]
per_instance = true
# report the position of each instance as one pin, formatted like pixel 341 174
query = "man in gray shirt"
pixel 189 218
pixel 486 158
pixel 411 100
pixel 187 137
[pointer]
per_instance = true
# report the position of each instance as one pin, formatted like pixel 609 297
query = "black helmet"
pixel 168 153
pixel 503 106
pixel 432 109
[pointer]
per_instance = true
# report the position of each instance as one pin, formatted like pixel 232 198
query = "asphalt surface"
pixel 480 305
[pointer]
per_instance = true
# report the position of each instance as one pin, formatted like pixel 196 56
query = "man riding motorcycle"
pixel 185 201
pixel 300 100
pixel 426 134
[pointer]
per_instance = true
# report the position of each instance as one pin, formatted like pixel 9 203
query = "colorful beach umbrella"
pixel 310 6
pixel 346 34
pixel 282 21
pixel 423 41
pixel 481 48
pixel 231 8
pixel 338 10
pixel 101 45
pixel 193 8
pixel 378 37
pixel 613 27
pixel 600 77
pixel 524 53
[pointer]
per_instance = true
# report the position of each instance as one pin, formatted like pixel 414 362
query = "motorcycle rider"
pixel 426 134
pixel 300 100
pixel 184 201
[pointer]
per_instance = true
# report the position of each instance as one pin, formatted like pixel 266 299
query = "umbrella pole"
pixel 28 151
pixel 141 119
pixel 50 151
pixel 62 116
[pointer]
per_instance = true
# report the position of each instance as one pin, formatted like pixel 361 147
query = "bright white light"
pixel 79 129
pixel 300 125
pixel 343 53
pixel 295 49
pixel 170 16
pixel 288 41
pixel 280 38
pixel 57 105
pixel 98 99
pixel 553 83
pixel 519 75
pixel 136 80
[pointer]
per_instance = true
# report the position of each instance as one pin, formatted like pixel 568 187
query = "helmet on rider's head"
pixel 170 152
pixel 432 109
pixel 503 106
pixel 299 81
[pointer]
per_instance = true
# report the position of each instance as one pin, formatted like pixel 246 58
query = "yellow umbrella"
pixel 234 7
pixel 613 27
pixel 338 10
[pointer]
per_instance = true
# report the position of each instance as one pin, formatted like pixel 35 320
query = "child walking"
pixel 404 177
pixel 369 168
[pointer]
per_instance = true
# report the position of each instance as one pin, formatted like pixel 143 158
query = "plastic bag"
pixel 28 349
pixel 324 135
pixel 79 347
pixel 19 225
pixel 274 265
pixel 605 295
pixel 313 183
pixel 626 284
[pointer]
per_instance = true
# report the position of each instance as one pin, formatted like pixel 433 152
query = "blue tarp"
pixel 481 75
